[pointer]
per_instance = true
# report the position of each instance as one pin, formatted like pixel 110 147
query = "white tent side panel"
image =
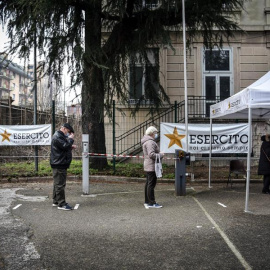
pixel 256 96
pixel 232 106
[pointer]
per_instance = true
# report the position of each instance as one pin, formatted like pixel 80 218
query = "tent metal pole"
pixel 210 154
pixel 249 156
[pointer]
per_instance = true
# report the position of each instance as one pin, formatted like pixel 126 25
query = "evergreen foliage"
pixel 99 39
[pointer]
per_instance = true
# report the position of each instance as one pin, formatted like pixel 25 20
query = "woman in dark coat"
pixel 264 163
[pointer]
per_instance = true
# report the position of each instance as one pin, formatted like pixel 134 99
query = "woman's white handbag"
pixel 158 166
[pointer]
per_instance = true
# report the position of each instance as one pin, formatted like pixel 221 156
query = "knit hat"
pixel 150 130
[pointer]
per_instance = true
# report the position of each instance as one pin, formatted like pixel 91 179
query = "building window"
pixel 217 76
pixel 143 76
pixel 217 60
pixel 151 4
pixel 13 96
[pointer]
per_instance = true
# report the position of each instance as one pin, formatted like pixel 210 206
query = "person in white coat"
pixel 150 151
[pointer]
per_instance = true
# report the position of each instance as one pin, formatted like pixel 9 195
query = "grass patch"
pixel 27 169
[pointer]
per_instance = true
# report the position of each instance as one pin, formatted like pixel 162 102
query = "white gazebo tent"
pixel 252 102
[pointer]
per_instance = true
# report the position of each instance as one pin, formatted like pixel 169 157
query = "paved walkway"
pixel 111 229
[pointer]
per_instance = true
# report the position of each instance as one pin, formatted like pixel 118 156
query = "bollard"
pixel 182 159
pixel 85 164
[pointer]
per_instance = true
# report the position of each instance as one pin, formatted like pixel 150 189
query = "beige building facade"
pixel 247 59
pixel 211 76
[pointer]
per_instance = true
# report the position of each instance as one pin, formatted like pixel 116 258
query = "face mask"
pixel 156 136
pixel 67 134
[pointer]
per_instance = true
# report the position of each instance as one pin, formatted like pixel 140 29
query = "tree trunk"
pixel 93 89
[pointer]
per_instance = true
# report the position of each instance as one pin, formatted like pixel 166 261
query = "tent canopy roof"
pixel 255 96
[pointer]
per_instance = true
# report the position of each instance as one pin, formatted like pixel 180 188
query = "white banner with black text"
pixel 25 135
pixel 226 138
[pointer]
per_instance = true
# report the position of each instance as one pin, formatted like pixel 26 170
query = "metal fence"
pixel 18 115
pixel 123 132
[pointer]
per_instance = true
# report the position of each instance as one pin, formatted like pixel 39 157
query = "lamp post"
pixel 185 72
pixel 35 97
pixel 52 102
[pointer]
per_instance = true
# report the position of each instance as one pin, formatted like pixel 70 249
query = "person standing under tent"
pixel 264 163
pixel 150 151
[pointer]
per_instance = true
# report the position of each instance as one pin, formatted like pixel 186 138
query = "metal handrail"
pixel 197 108
pixel 151 120
pixel 138 131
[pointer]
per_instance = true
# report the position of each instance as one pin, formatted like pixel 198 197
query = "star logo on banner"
pixel 5 136
pixel 175 138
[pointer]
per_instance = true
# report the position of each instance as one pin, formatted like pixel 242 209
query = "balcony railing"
pixel 21 93
pixel 142 102
pixel 5 75
pixel 4 87
pixel 24 83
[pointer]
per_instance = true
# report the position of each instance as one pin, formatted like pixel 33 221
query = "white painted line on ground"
pixel 123 192
pixel 223 205
pixel 243 192
pixel 76 206
pixel 173 189
pixel 89 195
pixel 198 226
pixel 226 239
pixel 112 193
pixel 17 206
pixel 32 198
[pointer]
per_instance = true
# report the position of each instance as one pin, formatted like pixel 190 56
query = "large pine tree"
pixel 96 38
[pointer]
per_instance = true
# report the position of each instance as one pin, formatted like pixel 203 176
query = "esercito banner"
pixel 25 135
pixel 226 138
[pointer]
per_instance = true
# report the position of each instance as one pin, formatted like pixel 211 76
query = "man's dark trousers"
pixel 151 181
pixel 59 184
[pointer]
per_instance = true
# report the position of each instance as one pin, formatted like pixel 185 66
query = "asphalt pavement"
pixel 111 229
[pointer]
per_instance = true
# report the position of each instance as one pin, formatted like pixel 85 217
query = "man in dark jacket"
pixel 61 156
pixel 264 163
